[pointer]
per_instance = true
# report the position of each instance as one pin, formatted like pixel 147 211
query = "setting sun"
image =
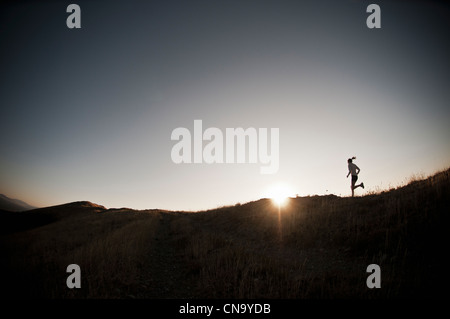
pixel 280 200
pixel 279 193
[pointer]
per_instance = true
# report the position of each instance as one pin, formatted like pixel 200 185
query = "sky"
pixel 88 113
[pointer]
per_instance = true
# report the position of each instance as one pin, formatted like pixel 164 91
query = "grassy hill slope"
pixel 313 247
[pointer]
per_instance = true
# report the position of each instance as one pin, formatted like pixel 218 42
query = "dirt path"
pixel 168 275
pixel 165 276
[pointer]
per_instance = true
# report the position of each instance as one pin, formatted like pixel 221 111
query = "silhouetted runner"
pixel 354 170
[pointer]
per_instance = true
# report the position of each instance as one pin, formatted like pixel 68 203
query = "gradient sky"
pixel 87 114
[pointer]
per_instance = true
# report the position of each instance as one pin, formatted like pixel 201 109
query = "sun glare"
pixel 279 194
pixel 280 200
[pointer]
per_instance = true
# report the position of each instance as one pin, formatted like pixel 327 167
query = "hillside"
pixel 313 248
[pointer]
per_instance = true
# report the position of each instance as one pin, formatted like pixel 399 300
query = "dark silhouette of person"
pixel 354 170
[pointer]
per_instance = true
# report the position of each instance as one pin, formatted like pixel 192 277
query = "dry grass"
pixel 108 247
pixel 319 247
pixel 314 247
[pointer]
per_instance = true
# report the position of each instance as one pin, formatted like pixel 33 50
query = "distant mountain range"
pixel 13 205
